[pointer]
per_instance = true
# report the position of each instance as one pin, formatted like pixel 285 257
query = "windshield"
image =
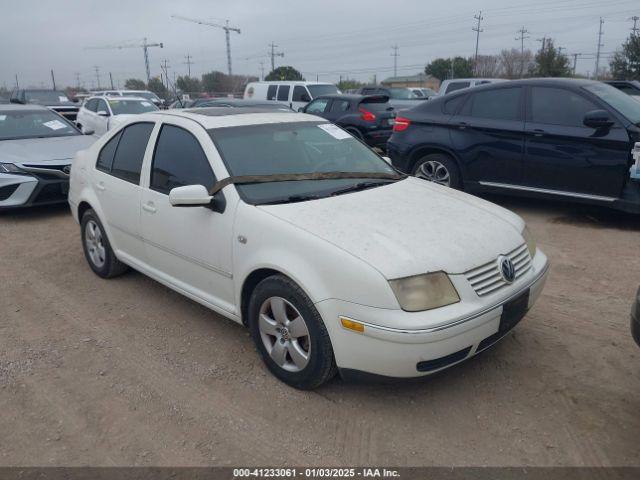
pixel 301 147
pixel 617 99
pixel 33 124
pixel 121 107
pixel 148 95
pixel 402 94
pixel 318 90
pixel 46 97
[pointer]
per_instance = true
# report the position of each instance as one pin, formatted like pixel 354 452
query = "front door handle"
pixel 100 186
pixel 149 207
pixel 538 132
pixel 462 125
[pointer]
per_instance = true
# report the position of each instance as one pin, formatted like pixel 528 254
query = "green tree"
pixel 349 84
pixel 216 82
pixel 157 87
pixel 135 84
pixel 625 64
pixel 189 84
pixel 549 62
pixel 441 68
pixel 284 73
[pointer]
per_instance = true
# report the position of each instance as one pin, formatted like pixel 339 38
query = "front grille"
pixel 8 190
pixel 487 278
pixel 53 192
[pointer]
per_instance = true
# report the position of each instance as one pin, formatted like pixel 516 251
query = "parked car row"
pixel 99 114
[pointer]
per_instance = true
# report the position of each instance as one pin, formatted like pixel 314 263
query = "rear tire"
pixel 97 249
pixel 290 334
pixel 438 168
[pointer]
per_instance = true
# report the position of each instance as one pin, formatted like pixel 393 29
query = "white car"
pixel 100 114
pixel 287 224
pixel 146 94
pixel 294 94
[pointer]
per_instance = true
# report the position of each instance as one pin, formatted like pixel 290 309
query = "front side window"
pixel 44 97
pixel 557 106
pixel 283 93
pixel 123 107
pixel 33 124
pixel 317 106
pixel 271 92
pixel 617 100
pixel 92 105
pixel 179 160
pixel 127 162
pixel 300 94
pixel 102 106
pixel 499 104
pixel 300 147
pixel 319 90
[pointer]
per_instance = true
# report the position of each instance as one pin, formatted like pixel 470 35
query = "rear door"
pixel 564 155
pixel 488 134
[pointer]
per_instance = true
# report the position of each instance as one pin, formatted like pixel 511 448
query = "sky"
pixel 325 40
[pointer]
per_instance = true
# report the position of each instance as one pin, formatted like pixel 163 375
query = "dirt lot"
pixel 126 372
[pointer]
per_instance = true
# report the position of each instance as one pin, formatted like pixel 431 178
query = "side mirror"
pixel 190 196
pixel 597 119
pixel 89 132
pixel 103 113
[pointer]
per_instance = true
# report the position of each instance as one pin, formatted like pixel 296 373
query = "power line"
pixel 600 44
pixel 395 56
pixel 97 69
pixel 635 29
pixel 477 29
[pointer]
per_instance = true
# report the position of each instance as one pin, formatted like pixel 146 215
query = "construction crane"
pixel 145 48
pixel 225 27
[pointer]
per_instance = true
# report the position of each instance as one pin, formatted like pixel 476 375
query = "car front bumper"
pixel 26 190
pixel 436 342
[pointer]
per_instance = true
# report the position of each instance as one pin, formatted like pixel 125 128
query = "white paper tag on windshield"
pixel 63 99
pixel 146 104
pixel 54 125
pixel 3 117
pixel 335 132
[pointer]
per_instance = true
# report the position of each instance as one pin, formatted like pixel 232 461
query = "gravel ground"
pixel 127 372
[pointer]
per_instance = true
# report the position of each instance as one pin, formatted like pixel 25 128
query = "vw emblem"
pixel 507 269
pixel 67 169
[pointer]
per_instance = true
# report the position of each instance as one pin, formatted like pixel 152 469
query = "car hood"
pixel 43 149
pixel 409 227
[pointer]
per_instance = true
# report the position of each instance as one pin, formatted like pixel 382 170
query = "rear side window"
pixel 453 86
pixel 340 106
pixel 452 106
pixel 556 106
pixel 271 92
pixel 300 94
pixel 127 162
pixel 178 161
pixel 283 93
pixel 105 157
pixel 500 104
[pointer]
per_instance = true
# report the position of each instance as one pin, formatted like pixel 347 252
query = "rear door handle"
pixel 149 207
pixel 538 132
pixel 462 125
pixel 100 186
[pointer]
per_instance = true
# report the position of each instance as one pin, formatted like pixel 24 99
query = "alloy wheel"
pixel 95 244
pixel 435 172
pixel 284 334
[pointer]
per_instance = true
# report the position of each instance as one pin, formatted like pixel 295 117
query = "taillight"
pixel 367 116
pixel 401 124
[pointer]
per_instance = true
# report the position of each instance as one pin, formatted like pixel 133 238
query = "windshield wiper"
pixel 293 199
pixel 359 186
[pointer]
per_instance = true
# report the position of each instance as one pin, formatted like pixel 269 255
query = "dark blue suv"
pixel 558 138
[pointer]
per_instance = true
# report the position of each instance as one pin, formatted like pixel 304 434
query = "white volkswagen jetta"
pixel 287 224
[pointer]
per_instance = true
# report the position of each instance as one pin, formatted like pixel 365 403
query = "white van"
pixel 452 85
pixel 293 94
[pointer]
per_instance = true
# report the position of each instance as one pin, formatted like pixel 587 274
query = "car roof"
pixel 110 98
pixel 220 117
pixel 19 107
pixel 345 96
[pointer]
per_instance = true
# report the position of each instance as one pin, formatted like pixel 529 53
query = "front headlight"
pixel 9 168
pixel 424 292
pixel 530 241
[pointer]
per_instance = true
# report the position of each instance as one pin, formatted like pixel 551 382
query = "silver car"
pixel 36 149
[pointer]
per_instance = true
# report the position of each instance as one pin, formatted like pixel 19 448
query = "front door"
pixel 564 155
pixel 188 247
pixel 488 135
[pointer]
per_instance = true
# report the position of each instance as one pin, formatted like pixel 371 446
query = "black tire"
pixel 111 267
pixel 455 179
pixel 321 365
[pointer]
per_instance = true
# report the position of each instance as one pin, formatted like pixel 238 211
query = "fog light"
pixel 352 324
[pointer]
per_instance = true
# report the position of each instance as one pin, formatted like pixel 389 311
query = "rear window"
pixel 453 86
pixel 127 162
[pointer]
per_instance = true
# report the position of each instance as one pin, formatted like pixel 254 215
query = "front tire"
pixel 97 249
pixel 438 168
pixel 290 334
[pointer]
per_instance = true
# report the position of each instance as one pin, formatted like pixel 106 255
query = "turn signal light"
pixel 352 325
pixel 367 116
pixel 401 124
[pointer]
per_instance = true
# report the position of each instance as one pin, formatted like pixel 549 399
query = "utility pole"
pixel 575 62
pixel 17 84
pixel 53 79
pixel 600 44
pixel 145 49
pixel 97 69
pixel 273 54
pixel 111 81
pixel 188 63
pixel 523 35
pixel 395 56
pixel 78 80
pixel 165 69
pixel 544 43
pixel 453 59
pixel 635 30
pixel 262 71
pixel 477 29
